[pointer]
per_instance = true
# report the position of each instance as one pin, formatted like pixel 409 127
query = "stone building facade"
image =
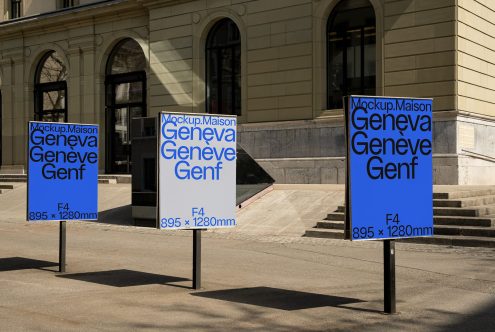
pixel 281 78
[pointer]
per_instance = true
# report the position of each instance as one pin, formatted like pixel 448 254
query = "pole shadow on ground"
pixel 23 263
pixel 282 299
pixel 125 278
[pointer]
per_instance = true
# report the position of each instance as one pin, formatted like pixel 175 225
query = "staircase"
pixel 464 217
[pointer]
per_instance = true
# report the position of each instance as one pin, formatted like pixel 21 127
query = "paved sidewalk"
pixel 126 278
pixel 260 277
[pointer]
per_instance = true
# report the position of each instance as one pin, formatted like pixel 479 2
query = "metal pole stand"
pixel 389 276
pixel 62 246
pixel 197 258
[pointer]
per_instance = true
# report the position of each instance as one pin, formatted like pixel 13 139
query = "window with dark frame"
pixel 50 89
pixel 68 3
pixel 223 69
pixel 351 51
pixel 125 86
pixel 15 9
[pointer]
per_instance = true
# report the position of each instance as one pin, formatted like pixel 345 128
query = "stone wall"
pixel 284 123
pixel 313 151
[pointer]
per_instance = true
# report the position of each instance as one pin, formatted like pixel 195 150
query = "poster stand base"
pixel 389 276
pixel 62 246
pixel 196 259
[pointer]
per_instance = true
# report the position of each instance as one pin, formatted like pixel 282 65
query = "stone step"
pixel 13 179
pixel 465 231
pixel 12 169
pixel 438 221
pixel 330 224
pixel 471 211
pixel 465 202
pixel 449 240
pixel 108 176
pixel 338 216
pixel 119 178
pixel 462 202
pixel 464 193
pixel 464 221
pixel 460 220
pixel 107 181
pixel 325 233
pixel 13 176
pixel 103 178
pixel 474 211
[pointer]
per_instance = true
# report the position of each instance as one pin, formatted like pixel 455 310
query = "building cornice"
pixel 62 19
pixel 161 3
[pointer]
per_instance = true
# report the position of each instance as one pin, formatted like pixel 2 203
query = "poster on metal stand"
pixel 62 175
pixel 389 191
pixel 196 175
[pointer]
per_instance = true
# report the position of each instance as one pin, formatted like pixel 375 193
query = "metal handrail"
pixel 479 155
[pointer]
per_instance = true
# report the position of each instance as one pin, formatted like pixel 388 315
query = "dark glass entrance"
pixel 223 69
pixel 351 51
pixel 125 86
pixel 125 100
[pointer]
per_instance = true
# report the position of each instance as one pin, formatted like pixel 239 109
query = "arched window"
pixel 223 69
pixel 125 85
pixel 351 51
pixel 50 89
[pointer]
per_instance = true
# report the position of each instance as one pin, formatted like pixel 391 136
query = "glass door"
pixel 126 95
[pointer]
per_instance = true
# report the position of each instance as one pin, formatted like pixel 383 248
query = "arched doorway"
pixel 125 90
pixel 223 68
pixel 351 51
pixel 50 89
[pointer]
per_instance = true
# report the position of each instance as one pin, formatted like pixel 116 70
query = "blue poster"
pixel 62 171
pixel 390 185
